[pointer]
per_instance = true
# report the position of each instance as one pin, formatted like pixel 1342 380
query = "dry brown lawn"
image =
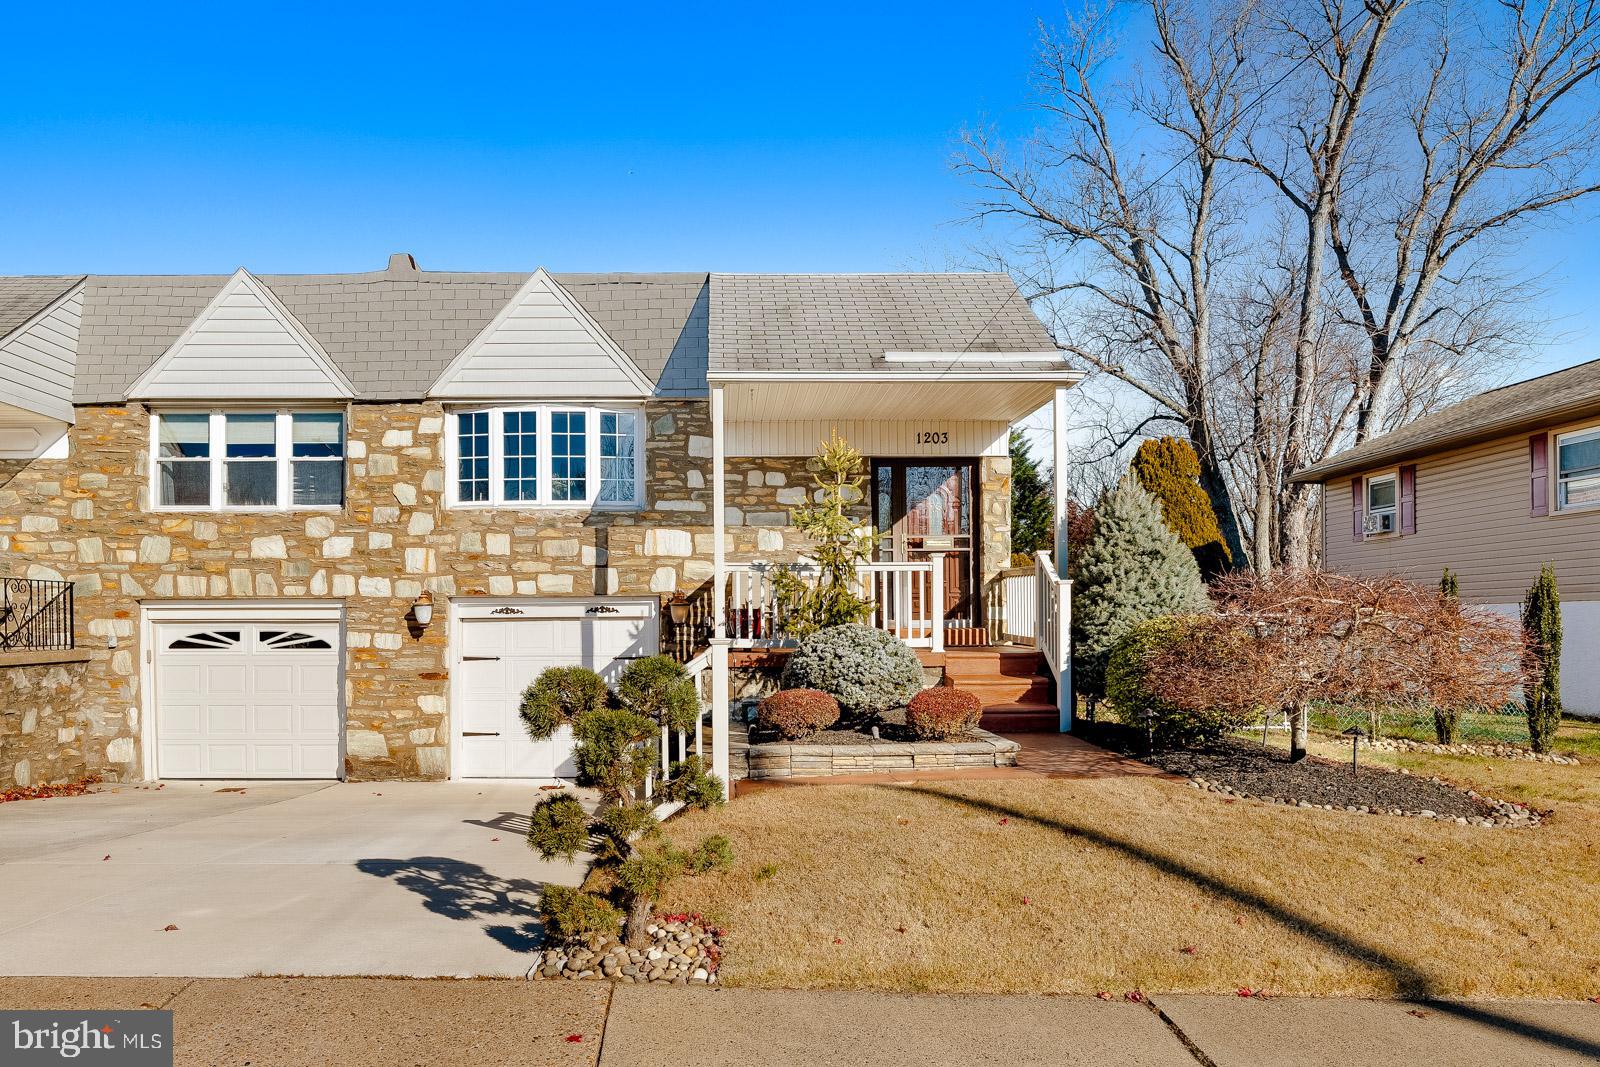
pixel 1120 884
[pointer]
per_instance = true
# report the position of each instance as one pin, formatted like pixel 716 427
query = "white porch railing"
pixel 698 670
pixel 1055 631
pixel 907 600
pixel 1013 607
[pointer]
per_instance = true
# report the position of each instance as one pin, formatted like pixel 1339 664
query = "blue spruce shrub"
pixel 866 670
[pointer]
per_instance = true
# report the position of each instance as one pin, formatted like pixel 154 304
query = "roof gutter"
pixel 1069 377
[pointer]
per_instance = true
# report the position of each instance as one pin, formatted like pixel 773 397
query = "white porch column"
pixel 1058 443
pixel 720 682
pixel 1065 697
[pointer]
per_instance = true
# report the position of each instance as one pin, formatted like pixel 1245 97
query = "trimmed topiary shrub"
pixel 1132 702
pixel 571 913
pixel 658 688
pixel 614 752
pixel 558 825
pixel 559 695
pixel 943 712
pixel 866 670
pixel 797 713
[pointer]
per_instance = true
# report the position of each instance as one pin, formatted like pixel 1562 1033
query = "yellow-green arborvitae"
pixel 1169 470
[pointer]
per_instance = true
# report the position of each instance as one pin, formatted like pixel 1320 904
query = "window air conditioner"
pixel 1379 522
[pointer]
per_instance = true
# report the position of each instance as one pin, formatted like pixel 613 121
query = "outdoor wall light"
pixel 678 609
pixel 422 609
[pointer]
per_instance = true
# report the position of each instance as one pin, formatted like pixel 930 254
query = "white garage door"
pixel 247 700
pixel 498 655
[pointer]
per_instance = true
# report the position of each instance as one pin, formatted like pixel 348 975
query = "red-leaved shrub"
pixel 797 713
pixel 942 712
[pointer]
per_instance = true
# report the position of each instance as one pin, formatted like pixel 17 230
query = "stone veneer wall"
pixel 48 733
pixel 85 519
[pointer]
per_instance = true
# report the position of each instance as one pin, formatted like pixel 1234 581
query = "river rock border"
pixel 1496 751
pixel 683 951
pixel 797 759
pixel 1506 813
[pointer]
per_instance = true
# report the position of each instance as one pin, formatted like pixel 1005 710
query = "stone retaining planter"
pixel 683 951
pixel 797 759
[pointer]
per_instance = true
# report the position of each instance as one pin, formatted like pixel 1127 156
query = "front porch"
pixel 935 439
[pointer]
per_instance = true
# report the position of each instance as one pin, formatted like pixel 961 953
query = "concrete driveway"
pixel 392 878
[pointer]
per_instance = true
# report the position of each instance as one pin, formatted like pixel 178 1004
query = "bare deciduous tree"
pixel 1289 230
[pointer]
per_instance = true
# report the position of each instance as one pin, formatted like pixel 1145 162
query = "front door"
pixel 922 508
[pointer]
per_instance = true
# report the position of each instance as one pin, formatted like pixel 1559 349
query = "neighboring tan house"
pixel 1493 488
pixel 319 526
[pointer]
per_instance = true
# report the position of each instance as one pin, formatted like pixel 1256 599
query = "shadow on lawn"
pixel 1413 984
pixel 460 890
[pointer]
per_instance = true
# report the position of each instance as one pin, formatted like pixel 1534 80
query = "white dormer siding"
pixel 38 359
pixel 244 345
pixel 542 344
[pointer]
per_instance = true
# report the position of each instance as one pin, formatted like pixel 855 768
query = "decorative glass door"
pixel 921 508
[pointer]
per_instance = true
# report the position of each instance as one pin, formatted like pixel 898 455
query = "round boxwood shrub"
pixel 943 712
pixel 868 671
pixel 559 695
pixel 1131 696
pixel 797 713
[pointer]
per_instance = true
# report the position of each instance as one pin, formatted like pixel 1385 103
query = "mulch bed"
pixel 1267 772
pixel 1244 769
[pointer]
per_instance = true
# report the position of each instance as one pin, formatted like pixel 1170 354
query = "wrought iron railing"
pixel 35 615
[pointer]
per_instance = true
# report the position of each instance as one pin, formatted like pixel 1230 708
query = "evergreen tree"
pixel 1032 501
pixel 1448 586
pixel 1133 569
pixel 1169 470
pixel 839 544
pixel 1541 625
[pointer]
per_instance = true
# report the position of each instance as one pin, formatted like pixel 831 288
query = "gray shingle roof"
pixel 23 298
pixel 846 322
pixel 1556 397
pixel 393 332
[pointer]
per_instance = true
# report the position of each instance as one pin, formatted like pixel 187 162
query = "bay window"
pixel 247 460
pixel 548 455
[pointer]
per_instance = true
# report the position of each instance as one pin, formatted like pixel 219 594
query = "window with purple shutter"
pixel 1539 477
pixel 1408 499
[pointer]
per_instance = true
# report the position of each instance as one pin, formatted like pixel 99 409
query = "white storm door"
pixel 247 700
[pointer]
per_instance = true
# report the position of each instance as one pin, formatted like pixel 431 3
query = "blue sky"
pixel 294 137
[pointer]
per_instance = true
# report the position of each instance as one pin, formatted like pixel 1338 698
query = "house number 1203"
pixel 933 437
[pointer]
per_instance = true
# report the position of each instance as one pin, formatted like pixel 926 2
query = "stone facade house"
pixel 1492 488
pixel 331 525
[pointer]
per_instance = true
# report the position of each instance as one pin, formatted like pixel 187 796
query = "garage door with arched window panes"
pixel 253 700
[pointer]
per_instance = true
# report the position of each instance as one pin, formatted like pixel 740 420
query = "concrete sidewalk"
pixel 267 1022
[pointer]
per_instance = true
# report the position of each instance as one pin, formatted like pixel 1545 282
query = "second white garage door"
pixel 501 648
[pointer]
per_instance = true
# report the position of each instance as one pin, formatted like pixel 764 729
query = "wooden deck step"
pixel 1016 688
pixel 1021 717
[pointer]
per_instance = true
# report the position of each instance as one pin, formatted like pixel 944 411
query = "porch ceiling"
pixel 900 397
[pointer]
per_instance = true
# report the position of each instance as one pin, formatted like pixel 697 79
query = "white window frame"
pixel 1554 465
pixel 497 499
pixel 1392 477
pixel 283 458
